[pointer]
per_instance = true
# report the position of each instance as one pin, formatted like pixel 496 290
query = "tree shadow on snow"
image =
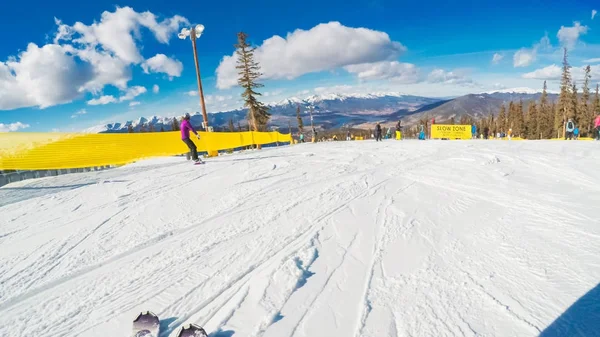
pixel 582 318
pixel 220 333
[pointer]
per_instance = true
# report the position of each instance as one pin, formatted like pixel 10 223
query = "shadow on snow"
pixel 582 318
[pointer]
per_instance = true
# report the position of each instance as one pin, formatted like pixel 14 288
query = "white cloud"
pixel 594 60
pixel 83 58
pixel 12 127
pixel 326 46
pixel 551 72
pixel 554 73
pixel 132 93
pixel 160 63
pixel 497 58
pixel 192 93
pixel 594 12
pixel 102 100
pixel 393 70
pixel 526 56
pixel 79 113
pixel 41 77
pixel 155 89
pixel 449 77
pixel 210 99
pixel 134 103
pixel 568 36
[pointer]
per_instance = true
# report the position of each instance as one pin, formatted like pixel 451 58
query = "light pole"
pixel 194 33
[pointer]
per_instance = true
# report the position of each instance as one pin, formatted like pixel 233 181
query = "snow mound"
pixel 393 238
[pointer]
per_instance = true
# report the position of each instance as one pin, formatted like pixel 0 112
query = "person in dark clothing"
pixel 186 127
pixel 378 132
pixel 486 132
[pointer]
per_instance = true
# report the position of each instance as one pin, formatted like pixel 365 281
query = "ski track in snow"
pixel 363 239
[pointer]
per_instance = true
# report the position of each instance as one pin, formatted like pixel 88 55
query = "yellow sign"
pixel 451 131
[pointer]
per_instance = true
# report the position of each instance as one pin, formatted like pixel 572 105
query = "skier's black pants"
pixel 378 136
pixel 192 147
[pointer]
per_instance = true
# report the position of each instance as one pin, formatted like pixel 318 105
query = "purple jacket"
pixel 186 127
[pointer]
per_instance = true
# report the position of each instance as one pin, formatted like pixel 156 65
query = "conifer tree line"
pixel 544 119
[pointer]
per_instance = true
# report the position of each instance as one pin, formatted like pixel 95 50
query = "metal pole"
pixel 204 115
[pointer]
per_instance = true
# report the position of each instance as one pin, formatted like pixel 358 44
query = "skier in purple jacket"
pixel 186 127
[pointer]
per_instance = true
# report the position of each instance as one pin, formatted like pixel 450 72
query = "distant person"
pixel 597 127
pixel 186 127
pixel 348 136
pixel 474 131
pixel 378 132
pixel 301 138
pixel 486 132
pixel 399 130
pixel 570 127
pixel 576 133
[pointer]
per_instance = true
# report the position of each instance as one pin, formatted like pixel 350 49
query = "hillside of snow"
pixel 399 238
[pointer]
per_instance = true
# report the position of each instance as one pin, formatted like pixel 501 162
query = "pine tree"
pixel 586 113
pixel 175 124
pixel 531 122
pixel 574 105
pixel 565 99
pixel 451 122
pixel 130 128
pixel 162 129
pixel 501 120
pixel 545 116
pixel 299 118
pixel 151 127
pixel 249 71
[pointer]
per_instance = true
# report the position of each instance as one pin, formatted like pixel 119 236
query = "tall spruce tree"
pixel 545 116
pixel 501 121
pixel 574 115
pixel 249 72
pixel 532 120
pixel 565 98
pixel 586 113
pixel 299 118
pixel 231 127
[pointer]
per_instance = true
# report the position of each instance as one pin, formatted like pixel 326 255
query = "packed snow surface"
pixel 399 238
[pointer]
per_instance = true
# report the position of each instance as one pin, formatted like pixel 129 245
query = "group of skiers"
pixel 572 132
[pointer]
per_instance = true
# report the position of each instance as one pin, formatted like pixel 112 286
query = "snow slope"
pixel 411 238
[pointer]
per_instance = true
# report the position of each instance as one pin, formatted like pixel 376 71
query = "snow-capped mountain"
pixel 335 110
pixel 329 110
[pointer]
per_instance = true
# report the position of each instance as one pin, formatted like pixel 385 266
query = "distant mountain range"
pixel 348 110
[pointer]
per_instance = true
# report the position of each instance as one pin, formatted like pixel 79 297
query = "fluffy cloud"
pixel 41 77
pixel 393 70
pixel 102 100
pixel 132 93
pixel 134 103
pixel 554 73
pixel 12 127
pixel 155 89
pixel 568 36
pixel 526 56
pixel 449 77
pixel 497 58
pixel 594 12
pixel 160 63
pixel 84 58
pixel 192 93
pixel 594 60
pixel 326 46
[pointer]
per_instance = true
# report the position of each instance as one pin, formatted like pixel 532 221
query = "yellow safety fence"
pixel 47 151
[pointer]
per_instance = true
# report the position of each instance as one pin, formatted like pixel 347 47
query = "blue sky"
pixel 69 66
